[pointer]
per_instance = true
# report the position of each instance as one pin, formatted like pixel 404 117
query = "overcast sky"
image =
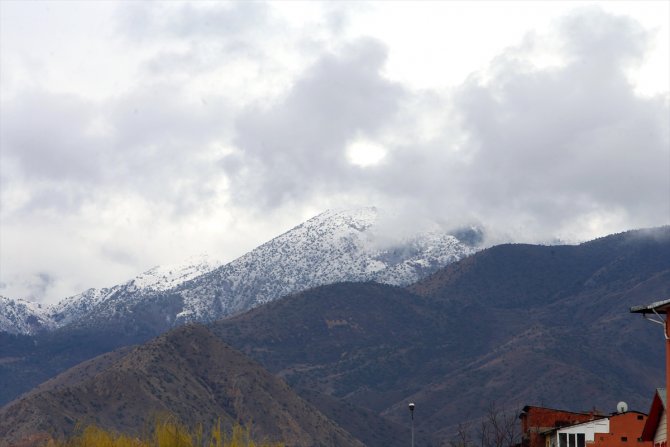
pixel 135 134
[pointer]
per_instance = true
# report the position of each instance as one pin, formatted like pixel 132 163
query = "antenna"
pixel 621 407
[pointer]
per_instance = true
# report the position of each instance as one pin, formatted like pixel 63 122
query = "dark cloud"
pixel 556 144
pixel 295 148
pixel 516 146
pixel 153 142
pixel 531 151
pixel 542 151
pixel 164 141
pixel 161 116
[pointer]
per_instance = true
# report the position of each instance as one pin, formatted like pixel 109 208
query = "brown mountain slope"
pixel 364 424
pixel 573 342
pixel 187 372
pixel 514 325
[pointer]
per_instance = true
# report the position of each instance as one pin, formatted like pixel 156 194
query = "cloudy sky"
pixel 135 134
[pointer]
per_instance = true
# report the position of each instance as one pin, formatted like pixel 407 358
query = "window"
pixel 640 417
pixel 581 440
pixel 571 440
pixel 624 439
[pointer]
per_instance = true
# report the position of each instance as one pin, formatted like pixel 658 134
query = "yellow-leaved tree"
pixel 166 433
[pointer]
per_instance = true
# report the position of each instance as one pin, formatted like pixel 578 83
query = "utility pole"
pixel 411 412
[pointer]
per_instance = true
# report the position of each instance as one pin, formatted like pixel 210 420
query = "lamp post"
pixel 411 412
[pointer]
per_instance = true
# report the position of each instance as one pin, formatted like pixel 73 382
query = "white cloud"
pixel 363 152
pixel 137 133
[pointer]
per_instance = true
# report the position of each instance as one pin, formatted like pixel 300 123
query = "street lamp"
pixel 411 411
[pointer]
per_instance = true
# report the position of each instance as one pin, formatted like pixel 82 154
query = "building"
pixel 576 435
pixel 659 312
pixel 537 421
pixel 655 430
pixel 618 430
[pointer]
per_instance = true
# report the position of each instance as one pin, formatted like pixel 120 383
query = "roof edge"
pixel 662 306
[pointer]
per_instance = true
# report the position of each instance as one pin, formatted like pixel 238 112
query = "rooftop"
pixel 657 307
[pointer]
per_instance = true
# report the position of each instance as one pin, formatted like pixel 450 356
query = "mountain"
pixel 510 325
pixel 188 373
pixel 19 316
pixel 123 298
pixel 23 317
pixel 333 246
pixel 360 342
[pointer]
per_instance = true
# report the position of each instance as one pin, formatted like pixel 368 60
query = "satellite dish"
pixel 621 407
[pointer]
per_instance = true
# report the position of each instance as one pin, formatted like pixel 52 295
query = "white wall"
pixel 588 428
pixel 661 430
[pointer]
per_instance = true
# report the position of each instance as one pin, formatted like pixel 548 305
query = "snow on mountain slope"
pixel 23 317
pixel 421 256
pixel 331 247
pixel 165 277
pixel 146 284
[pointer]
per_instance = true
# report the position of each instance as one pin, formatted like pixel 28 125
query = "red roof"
pixel 655 413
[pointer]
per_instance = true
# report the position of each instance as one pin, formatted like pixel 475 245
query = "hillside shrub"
pixel 165 434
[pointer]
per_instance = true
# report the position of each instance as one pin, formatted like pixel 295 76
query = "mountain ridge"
pixel 516 324
pixel 511 325
pixel 187 373
pixel 23 317
pixel 337 245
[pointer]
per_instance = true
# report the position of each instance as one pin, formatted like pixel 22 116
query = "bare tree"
pixel 498 428
pixel 463 437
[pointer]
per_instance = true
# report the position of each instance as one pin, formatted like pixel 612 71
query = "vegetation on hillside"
pixel 166 434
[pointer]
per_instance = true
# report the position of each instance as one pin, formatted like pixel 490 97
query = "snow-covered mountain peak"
pixel 155 280
pixel 164 277
pixel 334 246
pixel 337 245
pixel 23 317
pixel 358 218
pixel 338 222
